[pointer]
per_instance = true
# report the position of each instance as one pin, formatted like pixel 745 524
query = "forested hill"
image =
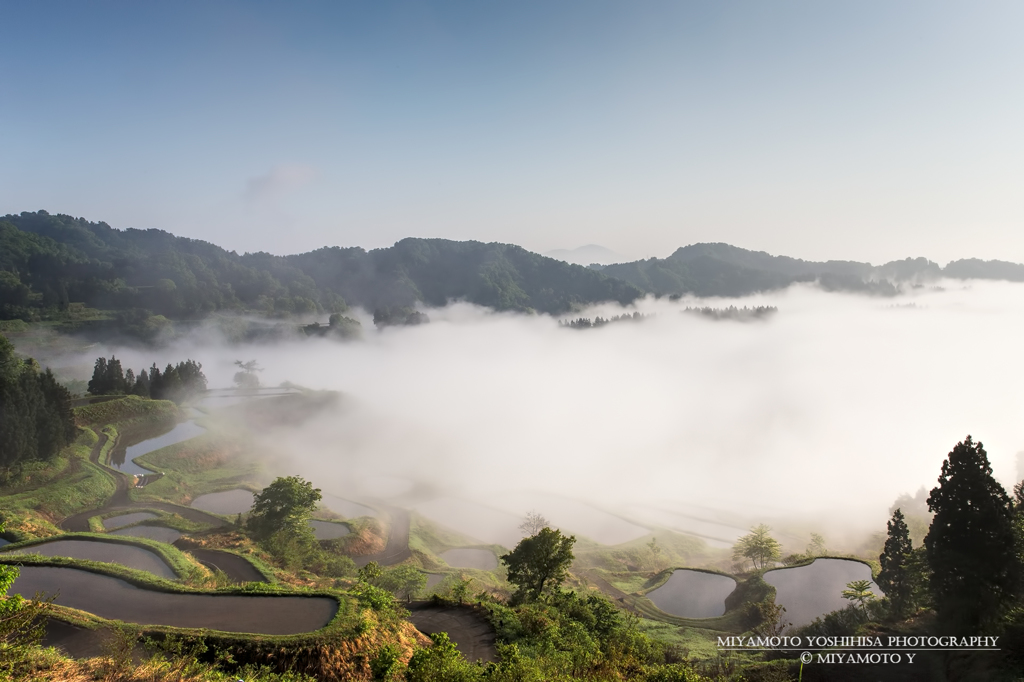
pixel 724 270
pixel 52 261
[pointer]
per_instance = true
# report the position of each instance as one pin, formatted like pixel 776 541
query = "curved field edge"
pixel 148 581
pixel 171 555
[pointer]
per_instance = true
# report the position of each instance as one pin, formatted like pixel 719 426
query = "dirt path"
pixel 470 631
pixel 397 548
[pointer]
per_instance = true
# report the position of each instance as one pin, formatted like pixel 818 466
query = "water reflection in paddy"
pixel 811 591
pixel 225 502
pixel 98 550
pixel 180 433
pixel 127 519
pixel 693 594
pixel 158 533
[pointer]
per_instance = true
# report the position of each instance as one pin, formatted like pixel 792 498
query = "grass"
pixel 126 410
pixel 172 556
pixel 78 485
pixel 204 464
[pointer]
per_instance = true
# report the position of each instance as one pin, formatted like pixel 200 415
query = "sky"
pixel 866 131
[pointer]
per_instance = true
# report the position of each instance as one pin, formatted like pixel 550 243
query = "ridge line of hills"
pixel 49 262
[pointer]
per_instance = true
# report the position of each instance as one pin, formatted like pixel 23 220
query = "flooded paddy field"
pixel 481 559
pixel 473 520
pixel 180 433
pixel 127 519
pixel 328 530
pixel 226 502
pixel 572 517
pixel 158 533
pixel 98 550
pixel 116 599
pixel 346 508
pixel 811 591
pixel 693 594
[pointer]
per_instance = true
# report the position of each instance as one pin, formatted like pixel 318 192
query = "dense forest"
pixel 724 270
pixel 35 411
pixel 177 382
pixel 48 262
pixel 52 266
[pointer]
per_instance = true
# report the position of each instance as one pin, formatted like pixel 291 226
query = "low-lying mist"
pixel 816 418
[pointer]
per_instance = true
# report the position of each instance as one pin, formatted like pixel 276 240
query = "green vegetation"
pixel 759 547
pixel 895 578
pixel 35 412
pixel 539 562
pixel 971 544
pixel 177 383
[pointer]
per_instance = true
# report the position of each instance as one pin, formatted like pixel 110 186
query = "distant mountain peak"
pixel 586 255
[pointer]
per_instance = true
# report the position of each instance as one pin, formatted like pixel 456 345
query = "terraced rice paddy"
pixel 811 591
pixel 98 550
pixel 693 594
pixel 484 524
pixel 347 508
pixel 182 432
pixel 482 559
pixel 127 519
pixel 227 502
pixel 572 516
pixel 116 599
pixel 158 533
pixel 328 530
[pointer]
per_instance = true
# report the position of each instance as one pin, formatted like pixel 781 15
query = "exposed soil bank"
pixel 98 550
pixel 693 594
pixel 482 559
pixel 116 599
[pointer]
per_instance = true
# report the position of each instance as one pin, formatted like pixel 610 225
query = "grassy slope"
pixel 205 464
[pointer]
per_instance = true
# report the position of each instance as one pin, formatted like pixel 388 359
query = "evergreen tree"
pixel 156 383
pixel 895 578
pixel 141 387
pixel 970 543
pixel 98 383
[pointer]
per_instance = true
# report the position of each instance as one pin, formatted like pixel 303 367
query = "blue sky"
pixel 868 130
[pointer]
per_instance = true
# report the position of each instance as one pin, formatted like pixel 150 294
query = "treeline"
pixel 36 421
pixel 177 382
pixel 48 263
pixel 733 313
pixel 587 323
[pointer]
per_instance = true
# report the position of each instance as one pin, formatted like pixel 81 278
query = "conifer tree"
pixel 895 578
pixel 970 544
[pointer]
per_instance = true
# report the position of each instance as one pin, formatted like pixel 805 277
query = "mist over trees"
pixel 177 383
pixel 56 266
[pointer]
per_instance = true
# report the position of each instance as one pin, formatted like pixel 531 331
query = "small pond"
pixel 328 530
pixel 182 432
pixel 112 598
pixel 98 550
pixel 158 533
pixel 126 519
pixel 482 559
pixel 811 591
pixel 227 502
pixel 693 594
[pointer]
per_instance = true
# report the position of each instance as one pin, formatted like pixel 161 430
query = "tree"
pixel 896 578
pixel 758 546
pixel 284 505
pixel 817 546
pixel 859 592
pixel 533 523
pixel 247 377
pixel 402 581
pixel 970 544
pixel 539 562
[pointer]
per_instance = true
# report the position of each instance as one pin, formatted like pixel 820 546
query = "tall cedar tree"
pixel 539 562
pixel 970 543
pixel 896 578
